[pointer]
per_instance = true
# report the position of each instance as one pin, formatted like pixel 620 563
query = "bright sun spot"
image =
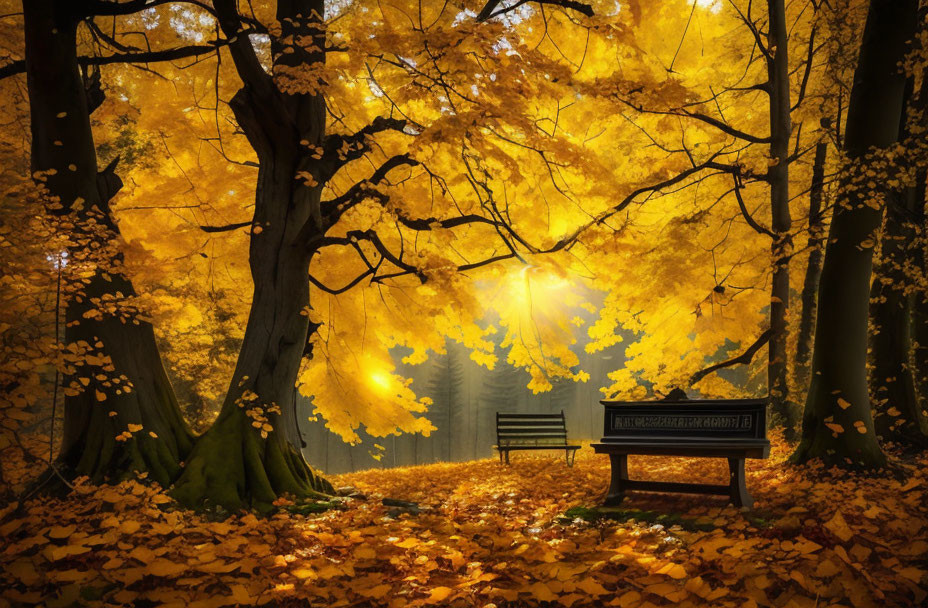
pixel 379 379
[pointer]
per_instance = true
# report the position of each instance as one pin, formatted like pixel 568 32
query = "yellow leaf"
pixel 838 526
pixel 100 395
pixel 843 403
pixel 365 552
pixel 591 587
pixel 438 594
pixel 165 567
pixel 302 573
pixel 59 532
pixel 673 571
pixel 913 574
pixel 541 592
pixel 376 592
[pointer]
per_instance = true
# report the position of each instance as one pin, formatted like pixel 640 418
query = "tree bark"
pixel 899 417
pixel 63 148
pixel 252 453
pixel 837 424
pixel 813 270
pixel 783 412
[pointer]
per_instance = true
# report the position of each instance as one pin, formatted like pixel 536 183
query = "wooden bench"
pixel 532 432
pixel 734 429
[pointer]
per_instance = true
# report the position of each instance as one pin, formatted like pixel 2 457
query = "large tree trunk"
pixel 920 331
pixel 900 417
pixel 252 453
pixel 783 411
pixel 134 389
pixel 813 270
pixel 249 457
pixel 837 425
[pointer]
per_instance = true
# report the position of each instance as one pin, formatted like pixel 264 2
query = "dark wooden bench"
pixel 533 432
pixel 734 429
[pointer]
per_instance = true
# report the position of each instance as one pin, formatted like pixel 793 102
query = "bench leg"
pixel 738 490
pixel 616 493
pixel 570 455
pixel 507 456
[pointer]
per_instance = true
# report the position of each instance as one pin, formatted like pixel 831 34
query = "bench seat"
pixel 532 432
pixel 734 429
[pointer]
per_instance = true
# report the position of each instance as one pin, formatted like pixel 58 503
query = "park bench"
pixel 716 428
pixel 532 432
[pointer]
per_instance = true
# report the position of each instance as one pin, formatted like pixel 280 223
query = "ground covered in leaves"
pixel 489 535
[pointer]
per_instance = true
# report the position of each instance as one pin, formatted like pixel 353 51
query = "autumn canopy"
pixel 250 246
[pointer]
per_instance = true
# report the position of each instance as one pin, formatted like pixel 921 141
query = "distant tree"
pixel 501 391
pixel 444 388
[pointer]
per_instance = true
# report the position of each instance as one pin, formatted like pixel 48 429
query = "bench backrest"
pixel 530 429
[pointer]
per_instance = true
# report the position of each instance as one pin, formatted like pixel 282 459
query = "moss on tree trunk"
pixel 252 454
pixel 63 149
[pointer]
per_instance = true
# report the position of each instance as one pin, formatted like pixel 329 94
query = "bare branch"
pixel 226 228
pixel 742 359
pixel 19 66
pixel 488 9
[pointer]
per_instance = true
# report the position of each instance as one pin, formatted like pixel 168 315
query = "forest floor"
pixel 490 535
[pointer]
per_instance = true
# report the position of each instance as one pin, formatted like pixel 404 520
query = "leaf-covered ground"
pixel 488 536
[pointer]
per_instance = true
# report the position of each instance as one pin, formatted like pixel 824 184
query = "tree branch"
pixel 19 66
pixel 742 359
pixel 226 228
pixel 487 11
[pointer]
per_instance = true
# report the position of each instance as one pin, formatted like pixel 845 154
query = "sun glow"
pixel 380 380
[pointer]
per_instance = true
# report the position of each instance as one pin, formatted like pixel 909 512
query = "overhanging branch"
pixel 489 10
pixel 184 52
pixel 743 359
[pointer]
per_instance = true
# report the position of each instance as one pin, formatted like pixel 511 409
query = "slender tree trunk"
pixel 837 424
pixel 136 390
pixel 783 411
pixel 813 269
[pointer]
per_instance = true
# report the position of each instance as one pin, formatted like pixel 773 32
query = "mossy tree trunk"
pixel 116 377
pixel 837 424
pixel 252 453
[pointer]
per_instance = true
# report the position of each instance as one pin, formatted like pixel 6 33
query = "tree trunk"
pixel 239 462
pixel 837 425
pixel 900 417
pixel 813 270
pixel 136 390
pixel 252 453
pixel 782 410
